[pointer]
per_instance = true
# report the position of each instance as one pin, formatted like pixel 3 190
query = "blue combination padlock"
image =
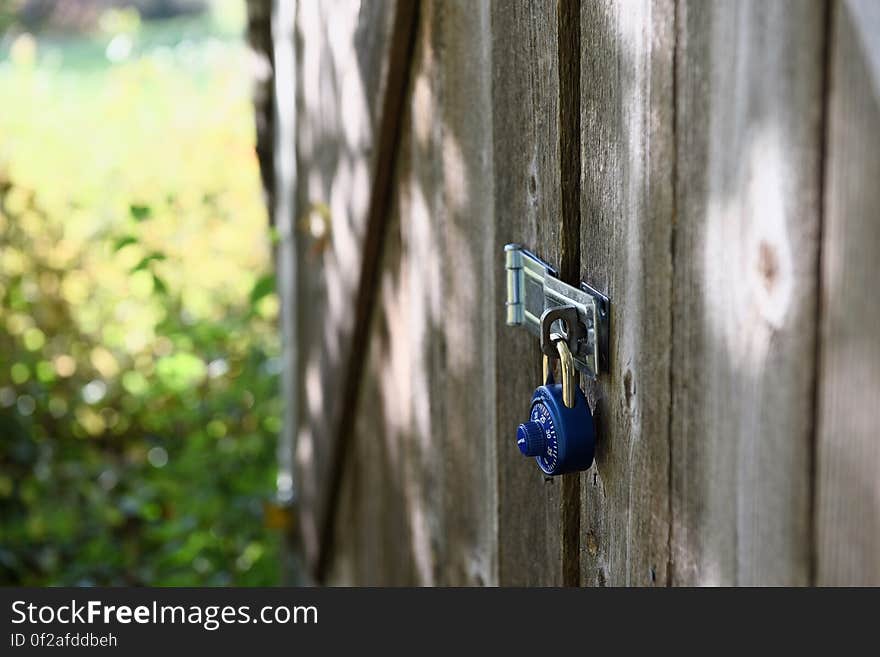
pixel 559 432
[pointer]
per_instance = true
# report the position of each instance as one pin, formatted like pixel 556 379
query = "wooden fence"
pixel 713 166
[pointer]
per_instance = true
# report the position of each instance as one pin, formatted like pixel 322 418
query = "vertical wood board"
pixel 429 383
pixel 525 96
pixel 749 105
pixel 342 65
pixel 848 450
pixel 627 200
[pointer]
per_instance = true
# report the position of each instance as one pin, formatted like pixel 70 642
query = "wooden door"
pixel 708 165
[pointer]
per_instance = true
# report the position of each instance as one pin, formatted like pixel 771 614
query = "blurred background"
pixel 139 402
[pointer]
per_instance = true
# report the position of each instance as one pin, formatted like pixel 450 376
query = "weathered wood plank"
pixel 848 449
pixel 419 502
pixel 749 97
pixel 468 307
pixel 412 309
pixel 381 198
pixel 525 96
pixel 373 542
pixel 343 64
pixel 627 200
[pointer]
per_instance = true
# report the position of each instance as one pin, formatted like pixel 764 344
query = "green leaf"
pixel 122 242
pixel 155 255
pixel 159 285
pixel 140 212
pixel 265 285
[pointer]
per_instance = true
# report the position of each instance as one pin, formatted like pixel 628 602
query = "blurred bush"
pixel 139 402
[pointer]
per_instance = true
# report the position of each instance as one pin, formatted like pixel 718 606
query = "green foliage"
pixel 139 404
pixel 139 212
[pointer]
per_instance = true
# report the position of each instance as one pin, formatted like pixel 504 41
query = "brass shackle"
pixel 569 374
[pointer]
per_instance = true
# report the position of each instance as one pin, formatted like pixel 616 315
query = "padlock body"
pixel 569 433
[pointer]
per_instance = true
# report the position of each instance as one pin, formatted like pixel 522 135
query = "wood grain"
pixel 525 96
pixel 628 161
pixel 420 500
pixel 669 152
pixel 469 304
pixel 848 450
pixel 748 125
pixel 373 532
pixel 346 73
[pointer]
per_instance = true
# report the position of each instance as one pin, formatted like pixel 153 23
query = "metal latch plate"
pixel 533 286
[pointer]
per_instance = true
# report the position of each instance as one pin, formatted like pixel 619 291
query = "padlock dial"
pixel 559 438
pixel 538 438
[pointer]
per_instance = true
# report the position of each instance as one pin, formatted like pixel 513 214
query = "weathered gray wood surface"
pixel 670 152
pixel 848 468
pixel 430 379
pixel 342 63
pixel 749 134
pixel 375 502
pixel 525 96
pixel 434 364
pixel 468 309
pixel 628 155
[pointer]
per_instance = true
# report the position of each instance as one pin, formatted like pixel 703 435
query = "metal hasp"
pixel 533 288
